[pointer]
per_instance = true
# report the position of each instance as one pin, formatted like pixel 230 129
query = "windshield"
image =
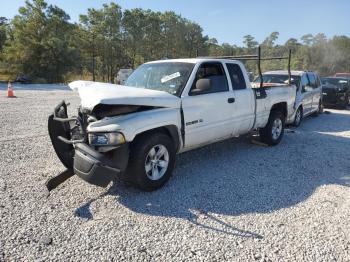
pixel 334 81
pixel 278 79
pixel 170 77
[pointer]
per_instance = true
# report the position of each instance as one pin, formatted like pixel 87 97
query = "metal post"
pixel 289 73
pixel 259 67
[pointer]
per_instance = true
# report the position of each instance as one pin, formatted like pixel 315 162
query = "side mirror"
pixel 308 88
pixel 293 82
pixel 202 86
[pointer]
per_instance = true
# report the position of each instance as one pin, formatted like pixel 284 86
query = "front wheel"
pixel 346 102
pixel 273 132
pixel 152 160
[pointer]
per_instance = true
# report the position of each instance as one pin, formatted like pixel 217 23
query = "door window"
pixel 318 81
pixel 304 82
pixel 215 74
pixel 312 80
pixel 236 76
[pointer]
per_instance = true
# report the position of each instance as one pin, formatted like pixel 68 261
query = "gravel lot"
pixel 285 203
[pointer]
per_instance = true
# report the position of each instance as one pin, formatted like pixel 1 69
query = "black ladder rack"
pixel 258 58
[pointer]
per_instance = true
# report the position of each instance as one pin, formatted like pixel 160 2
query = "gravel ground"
pixel 285 203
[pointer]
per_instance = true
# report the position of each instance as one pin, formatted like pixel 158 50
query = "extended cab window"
pixel 214 78
pixel 236 76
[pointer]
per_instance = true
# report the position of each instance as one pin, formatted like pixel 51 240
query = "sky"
pixel 228 21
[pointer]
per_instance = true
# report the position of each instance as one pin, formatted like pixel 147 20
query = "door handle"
pixel 231 100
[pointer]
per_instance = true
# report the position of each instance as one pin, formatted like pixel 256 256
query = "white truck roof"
pixel 194 60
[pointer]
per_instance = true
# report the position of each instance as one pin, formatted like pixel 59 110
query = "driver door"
pixel 208 114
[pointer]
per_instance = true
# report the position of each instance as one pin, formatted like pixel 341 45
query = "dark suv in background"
pixel 335 91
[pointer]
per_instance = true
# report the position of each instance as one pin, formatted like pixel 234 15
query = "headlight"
pixel 106 139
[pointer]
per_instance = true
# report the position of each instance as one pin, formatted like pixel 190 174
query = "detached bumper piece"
pixel 93 166
pixel 54 182
pixel 65 152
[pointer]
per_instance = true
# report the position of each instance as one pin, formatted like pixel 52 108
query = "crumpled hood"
pixel 94 93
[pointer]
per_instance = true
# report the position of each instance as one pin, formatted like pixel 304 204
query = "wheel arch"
pixel 169 130
pixel 282 107
pixel 301 108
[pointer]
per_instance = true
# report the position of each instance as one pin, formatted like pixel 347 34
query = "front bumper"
pixel 333 98
pixel 96 168
pixel 92 166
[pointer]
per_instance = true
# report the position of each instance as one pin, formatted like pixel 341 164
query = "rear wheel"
pixel 273 132
pixel 152 160
pixel 319 109
pixel 298 117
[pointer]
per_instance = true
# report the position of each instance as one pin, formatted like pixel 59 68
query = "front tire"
pixel 273 132
pixel 152 160
pixel 346 102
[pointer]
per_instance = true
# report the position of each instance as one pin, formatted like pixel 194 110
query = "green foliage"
pixel 3 29
pixel 43 44
pixel 110 39
pixel 100 40
pixel 326 56
pixel 39 42
pixel 250 42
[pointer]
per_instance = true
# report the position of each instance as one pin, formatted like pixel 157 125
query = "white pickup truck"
pixel 165 107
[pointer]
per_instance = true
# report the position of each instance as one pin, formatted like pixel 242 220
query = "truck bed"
pixel 274 95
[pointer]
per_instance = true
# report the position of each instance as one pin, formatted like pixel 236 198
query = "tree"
pixel 3 32
pixel 134 25
pixel 307 39
pixel 271 39
pixel 153 42
pixel 250 42
pixel 173 34
pixel 320 38
pixel 40 42
pixel 194 40
pixel 292 42
pixel 112 56
pixel 23 53
pixel 337 55
pixel 59 55
pixel 101 39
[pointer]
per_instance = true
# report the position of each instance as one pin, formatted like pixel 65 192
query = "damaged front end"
pixel 96 158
